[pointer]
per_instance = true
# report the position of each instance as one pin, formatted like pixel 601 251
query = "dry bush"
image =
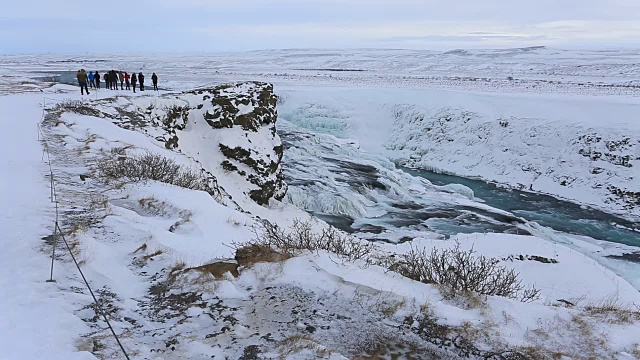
pixel 217 269
pixel 461 271
pixel 613 310
pixel 152 255
pixel 78 107
pixel 142 248
pixel 185 217
pixel 464 299
pixel 635 350
pixel 249 254
pixel 177 269
pixel 235 222
pixel 151 166
pixel 391 307
pixel 301 237
pixel 120 150
pixel 302 344
pixel 156 207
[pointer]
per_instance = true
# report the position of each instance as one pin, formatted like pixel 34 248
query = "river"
pixel 546 210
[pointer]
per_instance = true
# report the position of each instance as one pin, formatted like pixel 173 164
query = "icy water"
pixel 367 195
pixel 546 210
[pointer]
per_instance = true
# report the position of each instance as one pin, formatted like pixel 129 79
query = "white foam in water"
pixel 327 202
pixel 460 189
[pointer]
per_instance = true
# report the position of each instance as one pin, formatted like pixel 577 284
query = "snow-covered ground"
pixel 151 249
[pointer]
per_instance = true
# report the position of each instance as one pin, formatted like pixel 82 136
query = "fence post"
pixel 51 185
pixel 53 255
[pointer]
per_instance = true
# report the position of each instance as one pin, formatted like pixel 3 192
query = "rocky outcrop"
pixel 247 112
pixel 238 121
pixel 248 105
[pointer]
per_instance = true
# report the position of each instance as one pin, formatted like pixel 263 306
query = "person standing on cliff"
pixel 114 80
pixel 141 80
pixel 96 78
pixel 106 80
pixel 134 80
pixel 121 78
pixel 82 80
pixel 92 83
pixel 127 80
pixel 154 80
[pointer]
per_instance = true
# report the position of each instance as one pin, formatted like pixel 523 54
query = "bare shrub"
pixel 120 150
pixel 614 311
pixel 462 271
pixel 235 222
pixel 151 166
pixel 301 237
pixel 252 253
pixel 142 248
pixel 185 217
pixel 78 107
pixel 302 344
pixel 152 255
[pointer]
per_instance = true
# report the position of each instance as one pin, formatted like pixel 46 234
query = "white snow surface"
pixel 139 233
pixel 37 318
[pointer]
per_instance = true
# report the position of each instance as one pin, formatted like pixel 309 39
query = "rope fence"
pixel 57 231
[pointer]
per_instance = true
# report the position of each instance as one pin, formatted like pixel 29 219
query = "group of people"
pixel 111 79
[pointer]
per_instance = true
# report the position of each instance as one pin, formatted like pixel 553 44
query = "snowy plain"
pixel 367 120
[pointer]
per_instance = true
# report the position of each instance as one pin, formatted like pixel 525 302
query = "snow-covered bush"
pixel 461 271
pixel 301 236
pixel 151 166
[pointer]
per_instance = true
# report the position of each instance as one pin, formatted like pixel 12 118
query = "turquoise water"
pixel 546 210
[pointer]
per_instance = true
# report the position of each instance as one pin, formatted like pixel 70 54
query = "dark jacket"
pixel 82 77
pixel 96 76
pixel 134 78
pixel 141 78
pixel 106 77
pixel 154 78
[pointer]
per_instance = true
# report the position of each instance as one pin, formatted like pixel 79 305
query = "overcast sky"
pixel 43 26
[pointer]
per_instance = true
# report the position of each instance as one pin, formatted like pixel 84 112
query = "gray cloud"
pixel 220 25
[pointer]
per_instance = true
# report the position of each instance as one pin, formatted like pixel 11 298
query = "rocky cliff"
pixel 230 130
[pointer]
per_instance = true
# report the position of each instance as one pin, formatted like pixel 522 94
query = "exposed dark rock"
pixel 633 257
pixel 249 105
pixel 228 166
pixel 537 258
pixel 268 175
pixel 631 198
pixel 251 352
